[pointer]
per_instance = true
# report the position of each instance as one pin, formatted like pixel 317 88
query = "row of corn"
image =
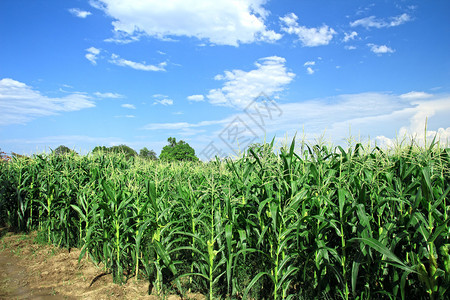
pixel 310 222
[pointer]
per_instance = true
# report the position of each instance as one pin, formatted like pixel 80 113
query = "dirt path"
pixel 14 282
pixel 34 271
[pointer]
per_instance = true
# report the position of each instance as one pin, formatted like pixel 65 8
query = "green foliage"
pixel 63 150
pixel 320 224
pixel 147 154
pixel 121 149
pixel 177 151
pixel 99 149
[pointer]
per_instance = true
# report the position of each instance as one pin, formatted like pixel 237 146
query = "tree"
pixel 100 149
pixel 149 154
pixel 129 152
pixel 177 151
pixel 63 150
pixel 172 142
pixel 124 149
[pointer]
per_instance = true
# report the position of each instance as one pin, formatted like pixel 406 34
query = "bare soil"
pixel 34 271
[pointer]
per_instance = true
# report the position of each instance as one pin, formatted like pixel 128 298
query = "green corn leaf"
pixel 151 194
pixel 441 199
pixel 379 247
pixel 108 190
pixel 165 257
pixel 355 270
pixel 341 196
pixel 253 281
pixel 438 231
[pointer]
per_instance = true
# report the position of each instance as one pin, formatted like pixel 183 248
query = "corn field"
pixel 311 222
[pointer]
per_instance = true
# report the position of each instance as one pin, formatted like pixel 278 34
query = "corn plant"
pixel 306 221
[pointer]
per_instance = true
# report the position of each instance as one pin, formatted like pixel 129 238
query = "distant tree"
pixel 177 151
pixel 173 142
pixel 100 149
pixel 149 154
pixel 123 149
pixel 62 150
pixel 129 152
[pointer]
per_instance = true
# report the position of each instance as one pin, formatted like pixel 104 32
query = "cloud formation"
pixel 164 102
pixel 92 55
pixel 240 87
pixel 117 60
pixel 372 21
pixel 108 95
pixel 196 98
pixel 310 37
pixel 424 111
pixel 372 114
pixel 79 13
pixel 415 95
pixel 20 103
pixel 129 106
pixel 221 22
pixel 380 49
pixel 182 125
pixel 162 99
pixel 350 36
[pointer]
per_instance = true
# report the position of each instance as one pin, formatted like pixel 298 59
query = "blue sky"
pixel 220 74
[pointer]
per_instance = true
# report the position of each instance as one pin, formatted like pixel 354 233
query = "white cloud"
pixel 399 20
pixel 373 114
pixel 419 119
pixel 415 95
pixel 241 87
pixel 310 37
pixel 123 38
pixel 350 36
pixel 160 96
pixel 221 22
pixel 79 13
pixel 350 47
pixel 315 114
pixel 380 49
pixel 108 95
pixel 164 102
pixel 115 59
pixel 372 21
pixel 92 55
pixel 20 103
pixel 162 99
pixel 129 106
pixel 196 98
pixel 309 70
pixel 183 125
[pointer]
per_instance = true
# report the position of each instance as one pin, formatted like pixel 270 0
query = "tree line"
pixel 174 151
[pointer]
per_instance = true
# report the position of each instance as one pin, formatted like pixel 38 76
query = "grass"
pixel 310 221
